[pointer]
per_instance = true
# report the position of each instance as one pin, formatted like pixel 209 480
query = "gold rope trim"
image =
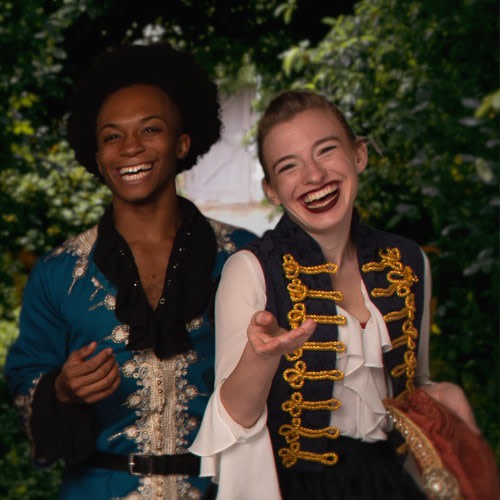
pixel 293 453
pixel 298 315
pixel 401 278
pixel 292 268
pixel 299 291
pixel 296 404
pixel 294 431
pixel 297 375
pixel 334 345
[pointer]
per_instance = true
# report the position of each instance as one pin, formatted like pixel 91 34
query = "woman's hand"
pixel 267 338
pixel 87 380
pixel 453 397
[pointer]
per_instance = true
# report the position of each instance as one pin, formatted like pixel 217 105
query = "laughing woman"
pixel 316 322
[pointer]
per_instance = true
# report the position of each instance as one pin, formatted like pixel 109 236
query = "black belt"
pixel 146 465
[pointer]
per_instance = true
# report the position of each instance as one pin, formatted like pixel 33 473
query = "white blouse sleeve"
pixel 422 375
pixel 224 445
pixel 241 292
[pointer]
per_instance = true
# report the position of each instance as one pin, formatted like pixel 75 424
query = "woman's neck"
pixel 336 244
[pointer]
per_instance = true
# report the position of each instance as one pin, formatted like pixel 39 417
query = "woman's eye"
pixel 285 167
pixel 327 149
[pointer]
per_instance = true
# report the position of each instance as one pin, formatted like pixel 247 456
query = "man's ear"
pixel 183 145
pixel 98 164
pixel 270 193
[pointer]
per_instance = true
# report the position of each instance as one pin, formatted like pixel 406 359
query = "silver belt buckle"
pixel 131 465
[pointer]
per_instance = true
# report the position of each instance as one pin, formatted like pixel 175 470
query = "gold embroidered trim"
pixel 292 268
pixel 293 432
pixel 401 279
pixel 334 345
pixel 298 374
pixel 298 292
pixel 298 315
pixel 439 483
pixel 290 456
pixel 296 404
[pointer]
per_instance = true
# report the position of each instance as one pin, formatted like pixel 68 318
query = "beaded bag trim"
pixel 438 482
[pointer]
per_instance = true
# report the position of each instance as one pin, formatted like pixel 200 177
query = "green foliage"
pixel 418 77
pixel 407 74
pixel 18 478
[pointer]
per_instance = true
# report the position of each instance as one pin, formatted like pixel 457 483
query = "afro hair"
pixel 175 72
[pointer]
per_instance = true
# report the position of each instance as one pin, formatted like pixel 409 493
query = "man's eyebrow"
pixel 142 120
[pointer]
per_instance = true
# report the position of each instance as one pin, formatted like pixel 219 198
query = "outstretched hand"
pixel 453 397
pixel 85 379
pixel 268 339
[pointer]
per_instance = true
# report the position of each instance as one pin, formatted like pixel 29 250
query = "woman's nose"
pixel 314 171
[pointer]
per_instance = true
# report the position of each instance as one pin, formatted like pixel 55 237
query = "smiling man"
pixel 113 366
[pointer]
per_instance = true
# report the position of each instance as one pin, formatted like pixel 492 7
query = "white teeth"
pixel 317 195
pixel 136 169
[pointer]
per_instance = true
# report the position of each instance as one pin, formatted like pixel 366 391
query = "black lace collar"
pixel 188 286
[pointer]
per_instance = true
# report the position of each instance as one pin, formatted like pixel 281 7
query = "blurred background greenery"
pixel 419 78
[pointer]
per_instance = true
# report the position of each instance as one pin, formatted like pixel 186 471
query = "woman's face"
pixel 139 140
pixel 313 170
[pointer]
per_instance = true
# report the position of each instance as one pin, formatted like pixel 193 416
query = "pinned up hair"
pixel 288 104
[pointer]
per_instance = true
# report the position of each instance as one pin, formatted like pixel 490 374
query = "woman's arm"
pixel 249 341
pixel 447 393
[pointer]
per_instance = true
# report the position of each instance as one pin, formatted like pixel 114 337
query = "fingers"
pixel 87 380
pixel 267 338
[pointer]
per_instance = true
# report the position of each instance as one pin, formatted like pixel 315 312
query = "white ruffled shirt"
pixel 241 460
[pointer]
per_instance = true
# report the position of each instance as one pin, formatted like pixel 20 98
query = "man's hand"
pixel 85 379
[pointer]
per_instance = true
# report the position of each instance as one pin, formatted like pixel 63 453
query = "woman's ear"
pixel 270 193
pixel 183 145
pixel 361 154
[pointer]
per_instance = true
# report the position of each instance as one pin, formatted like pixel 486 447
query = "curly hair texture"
pixel 175 72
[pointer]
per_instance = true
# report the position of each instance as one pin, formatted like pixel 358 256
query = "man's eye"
pixel 110 137
pixel 151 130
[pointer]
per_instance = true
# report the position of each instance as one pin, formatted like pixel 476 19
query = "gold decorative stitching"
pixel 290 456
pixel 296 404
pixel 299 291
pixel 401 278
pixel 438 482
pixel 298 315
pixel 334 345
pixel 297 375
pixel 293 432
pixel 292 268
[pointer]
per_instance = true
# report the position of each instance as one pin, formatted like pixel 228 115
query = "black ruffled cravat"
pixel 188 286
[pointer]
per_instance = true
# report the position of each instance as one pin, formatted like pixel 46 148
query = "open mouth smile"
pixel 135 172
pixel 322 199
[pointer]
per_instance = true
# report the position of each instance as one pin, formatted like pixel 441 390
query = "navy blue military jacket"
pixel 298 286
